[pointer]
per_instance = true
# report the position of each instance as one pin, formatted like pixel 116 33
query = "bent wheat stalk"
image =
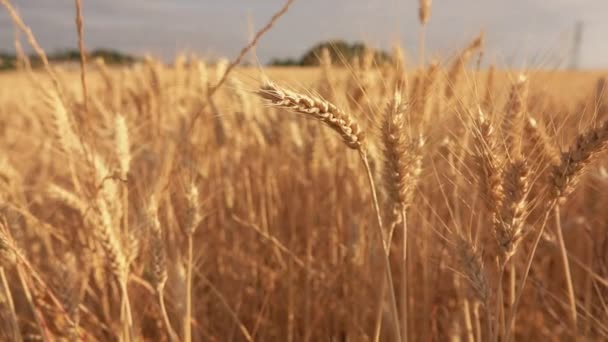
pixel 352 135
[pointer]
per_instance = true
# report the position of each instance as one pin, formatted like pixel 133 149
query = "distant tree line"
pixel 340 51
pixel 8 61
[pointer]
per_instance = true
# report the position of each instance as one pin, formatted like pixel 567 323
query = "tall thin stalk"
pixel 163 309
pixel 524 278
pixel 385 247
pixel 194 218
pixel 188 317
pixel 11 305
pixel 568 275
pixel 404 296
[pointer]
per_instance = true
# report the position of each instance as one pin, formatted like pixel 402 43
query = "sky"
pixel 523 33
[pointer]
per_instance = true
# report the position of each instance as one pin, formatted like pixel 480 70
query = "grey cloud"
pixel 536 32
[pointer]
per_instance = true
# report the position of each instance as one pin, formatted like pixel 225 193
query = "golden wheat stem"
pixel 466 310
pixel 385 250
pixel 11 305
pixel 404 292
pixel 161 300
pixel 525 274
pixel 188 317
pixel 512 288
pixel 31 302
pixel 500 309
pixel 477 322
pixel 567 274
pixel 378 325
pixel 83 59
pixel 126 314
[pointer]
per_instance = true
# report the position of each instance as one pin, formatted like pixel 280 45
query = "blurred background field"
pixel 181 199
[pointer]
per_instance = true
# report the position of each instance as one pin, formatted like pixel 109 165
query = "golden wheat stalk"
pixel 83 56
pixel 403 165
pixel 353 137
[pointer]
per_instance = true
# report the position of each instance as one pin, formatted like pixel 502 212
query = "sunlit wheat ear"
pixel 8 247
pixel 424 11
pixel 514 116
pixel 487 162
pixel 399 65
pixel 426 89
pixel 471 264
pixel 159 259
pixel 317 108
pixel 458 66
pixel 8 173
pixel 64 130
pixel 123 147
pixel 133 243
pixel 586 148
pixel 402 156
pixel 243 107
pixel 202 75
pixel 488 100
pixel 107 183
pixel 68 281
pixel 220 68
pixel 108 239
pixel 509 220
pixel 541 142
pixel 67 197
pixel 193 215
pixel 398 58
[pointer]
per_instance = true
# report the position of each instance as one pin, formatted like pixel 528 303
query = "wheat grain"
pixel 509 220
pixel 318 108
pixel 583 151
pixel 424 11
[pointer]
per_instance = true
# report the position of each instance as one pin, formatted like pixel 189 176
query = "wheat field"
pixel 376 201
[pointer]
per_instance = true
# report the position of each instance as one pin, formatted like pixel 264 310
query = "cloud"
pixel 536 32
